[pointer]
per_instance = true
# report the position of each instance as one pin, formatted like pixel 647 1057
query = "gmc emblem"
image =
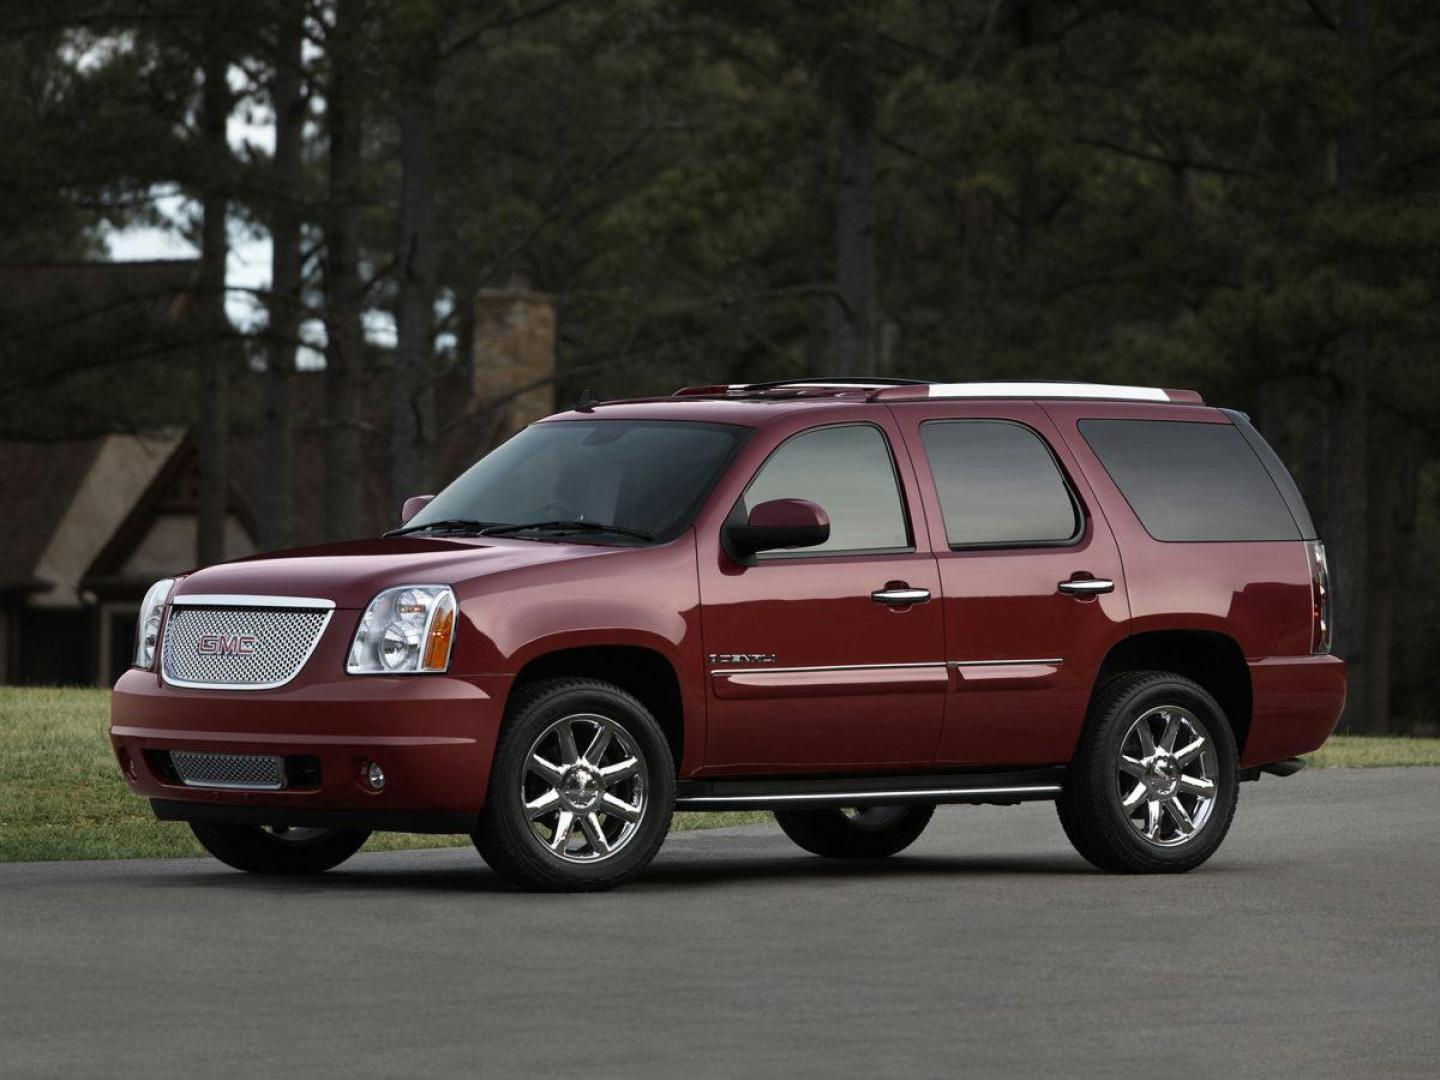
pixel 227 644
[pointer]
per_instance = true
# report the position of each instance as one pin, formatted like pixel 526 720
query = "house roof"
pixel 38 482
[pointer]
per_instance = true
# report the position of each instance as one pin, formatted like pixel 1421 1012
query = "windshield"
pixel 643 476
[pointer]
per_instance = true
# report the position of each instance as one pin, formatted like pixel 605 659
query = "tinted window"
pixel 998 484
pixel 648 475
pixel 1191 481
pixel 848 471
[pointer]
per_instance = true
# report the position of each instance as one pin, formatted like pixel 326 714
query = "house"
pixel 90 522
pixel 89 525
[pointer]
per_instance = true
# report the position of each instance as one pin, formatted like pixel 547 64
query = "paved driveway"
pixel 1310 946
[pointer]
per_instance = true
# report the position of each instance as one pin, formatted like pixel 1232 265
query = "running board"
pixel 908 790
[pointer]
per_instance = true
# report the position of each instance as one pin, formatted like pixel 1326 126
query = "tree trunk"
pixel 212 428
pixel 1384 490
pixel 1347 530
pixel 412 428
pixel 344 295
pixel 285 278
pixel 854 311
pixel 1350 469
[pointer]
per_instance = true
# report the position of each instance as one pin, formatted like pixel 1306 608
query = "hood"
pixel 352 573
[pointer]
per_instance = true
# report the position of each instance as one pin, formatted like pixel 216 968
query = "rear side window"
pixel 998 485
pixel 1188 481
pixel 846 470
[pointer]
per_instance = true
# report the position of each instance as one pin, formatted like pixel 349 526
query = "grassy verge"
pixel 61 796
pixel 1373 752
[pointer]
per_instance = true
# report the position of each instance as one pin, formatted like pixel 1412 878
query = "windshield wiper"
pixel 567 526
pixel 451 524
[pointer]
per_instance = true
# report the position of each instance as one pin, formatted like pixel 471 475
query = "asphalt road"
pixel 1309 946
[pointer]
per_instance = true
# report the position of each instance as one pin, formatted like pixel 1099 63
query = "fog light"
pixel 375 776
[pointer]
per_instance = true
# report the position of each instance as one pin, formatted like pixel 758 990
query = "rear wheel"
pixel 581 791
pixel 276 850
pixel 1154 782
pixel 866 832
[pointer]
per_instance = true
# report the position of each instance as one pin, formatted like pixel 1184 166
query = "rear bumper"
pixel 1297 700
pixel 434 736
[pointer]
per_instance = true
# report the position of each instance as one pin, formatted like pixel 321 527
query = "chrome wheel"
pixel 873 818
pixel 584 788
pixel 1166 777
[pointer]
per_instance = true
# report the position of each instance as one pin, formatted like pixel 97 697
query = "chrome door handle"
pixel 1087 586
pixel 900 596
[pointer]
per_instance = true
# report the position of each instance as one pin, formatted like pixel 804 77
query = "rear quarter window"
pixel 1189 481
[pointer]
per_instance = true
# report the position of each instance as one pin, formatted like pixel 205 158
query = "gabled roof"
pixel 38 482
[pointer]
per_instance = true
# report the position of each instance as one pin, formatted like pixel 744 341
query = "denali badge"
pixel 227 644
pixel 742 658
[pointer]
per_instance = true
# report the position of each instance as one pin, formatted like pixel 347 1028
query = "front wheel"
pixel 867 832
pixel 1154 783
pixel 275 850
pixel 581 790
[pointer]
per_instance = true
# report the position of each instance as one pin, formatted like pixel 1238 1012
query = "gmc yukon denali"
pixel 846 602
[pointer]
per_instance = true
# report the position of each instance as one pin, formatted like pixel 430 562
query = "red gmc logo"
pixel 227 644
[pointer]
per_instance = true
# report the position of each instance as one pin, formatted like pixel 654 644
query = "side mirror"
pixel 413 505
pixel 779 523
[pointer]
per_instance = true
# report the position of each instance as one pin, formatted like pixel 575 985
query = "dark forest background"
pixel 1238 197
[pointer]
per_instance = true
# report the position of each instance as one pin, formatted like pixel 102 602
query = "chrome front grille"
pixel 252 643
pixel 252 772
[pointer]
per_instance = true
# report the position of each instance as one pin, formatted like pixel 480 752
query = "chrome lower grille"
pixel 239 647
pixel 252 772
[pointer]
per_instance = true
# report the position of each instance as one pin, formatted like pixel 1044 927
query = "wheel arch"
pixel 641 670
pixel 1212 659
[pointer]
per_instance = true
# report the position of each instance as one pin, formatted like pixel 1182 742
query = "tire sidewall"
pixel 503 800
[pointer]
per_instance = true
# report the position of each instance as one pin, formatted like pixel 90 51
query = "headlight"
pixel 147 627
pixel 405 630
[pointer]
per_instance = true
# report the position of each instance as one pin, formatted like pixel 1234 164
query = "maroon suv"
pixel 846 602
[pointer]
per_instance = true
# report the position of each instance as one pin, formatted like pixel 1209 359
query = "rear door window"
pixel 999 485
pixel 1189 481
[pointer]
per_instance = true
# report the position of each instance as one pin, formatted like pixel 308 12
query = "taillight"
pixel 1322 625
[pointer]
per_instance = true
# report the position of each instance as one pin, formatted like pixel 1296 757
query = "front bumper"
pixel 434 736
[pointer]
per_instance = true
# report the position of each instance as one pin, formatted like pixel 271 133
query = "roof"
pixel 752 404
pixel 38 482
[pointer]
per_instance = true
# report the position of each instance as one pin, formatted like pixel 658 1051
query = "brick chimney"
pixel 514 351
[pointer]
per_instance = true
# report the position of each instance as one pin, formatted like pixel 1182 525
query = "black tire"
pixel 1090 805
pixel 505 837
pixel 834 834
pixel 262 851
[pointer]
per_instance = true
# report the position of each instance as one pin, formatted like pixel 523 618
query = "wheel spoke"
pixel 1188 753
pixel 1152 820
pixel 565 732
pixel 598 745
pixel 595 834
pixel 609 804
pixel 621 770
pixel 543 805
pixel 548 770
pixel 1180 816
pixel 1131 766
pixel 1172 729
pixel 1134 799
pixel 560 839
pixel 1198 785
pixel 1147 738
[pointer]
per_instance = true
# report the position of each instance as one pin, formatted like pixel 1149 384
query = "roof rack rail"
pixel 837 381
pixel 1036 389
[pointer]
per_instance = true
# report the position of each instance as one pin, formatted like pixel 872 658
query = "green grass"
pixel 1373 752
pixel 61 796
